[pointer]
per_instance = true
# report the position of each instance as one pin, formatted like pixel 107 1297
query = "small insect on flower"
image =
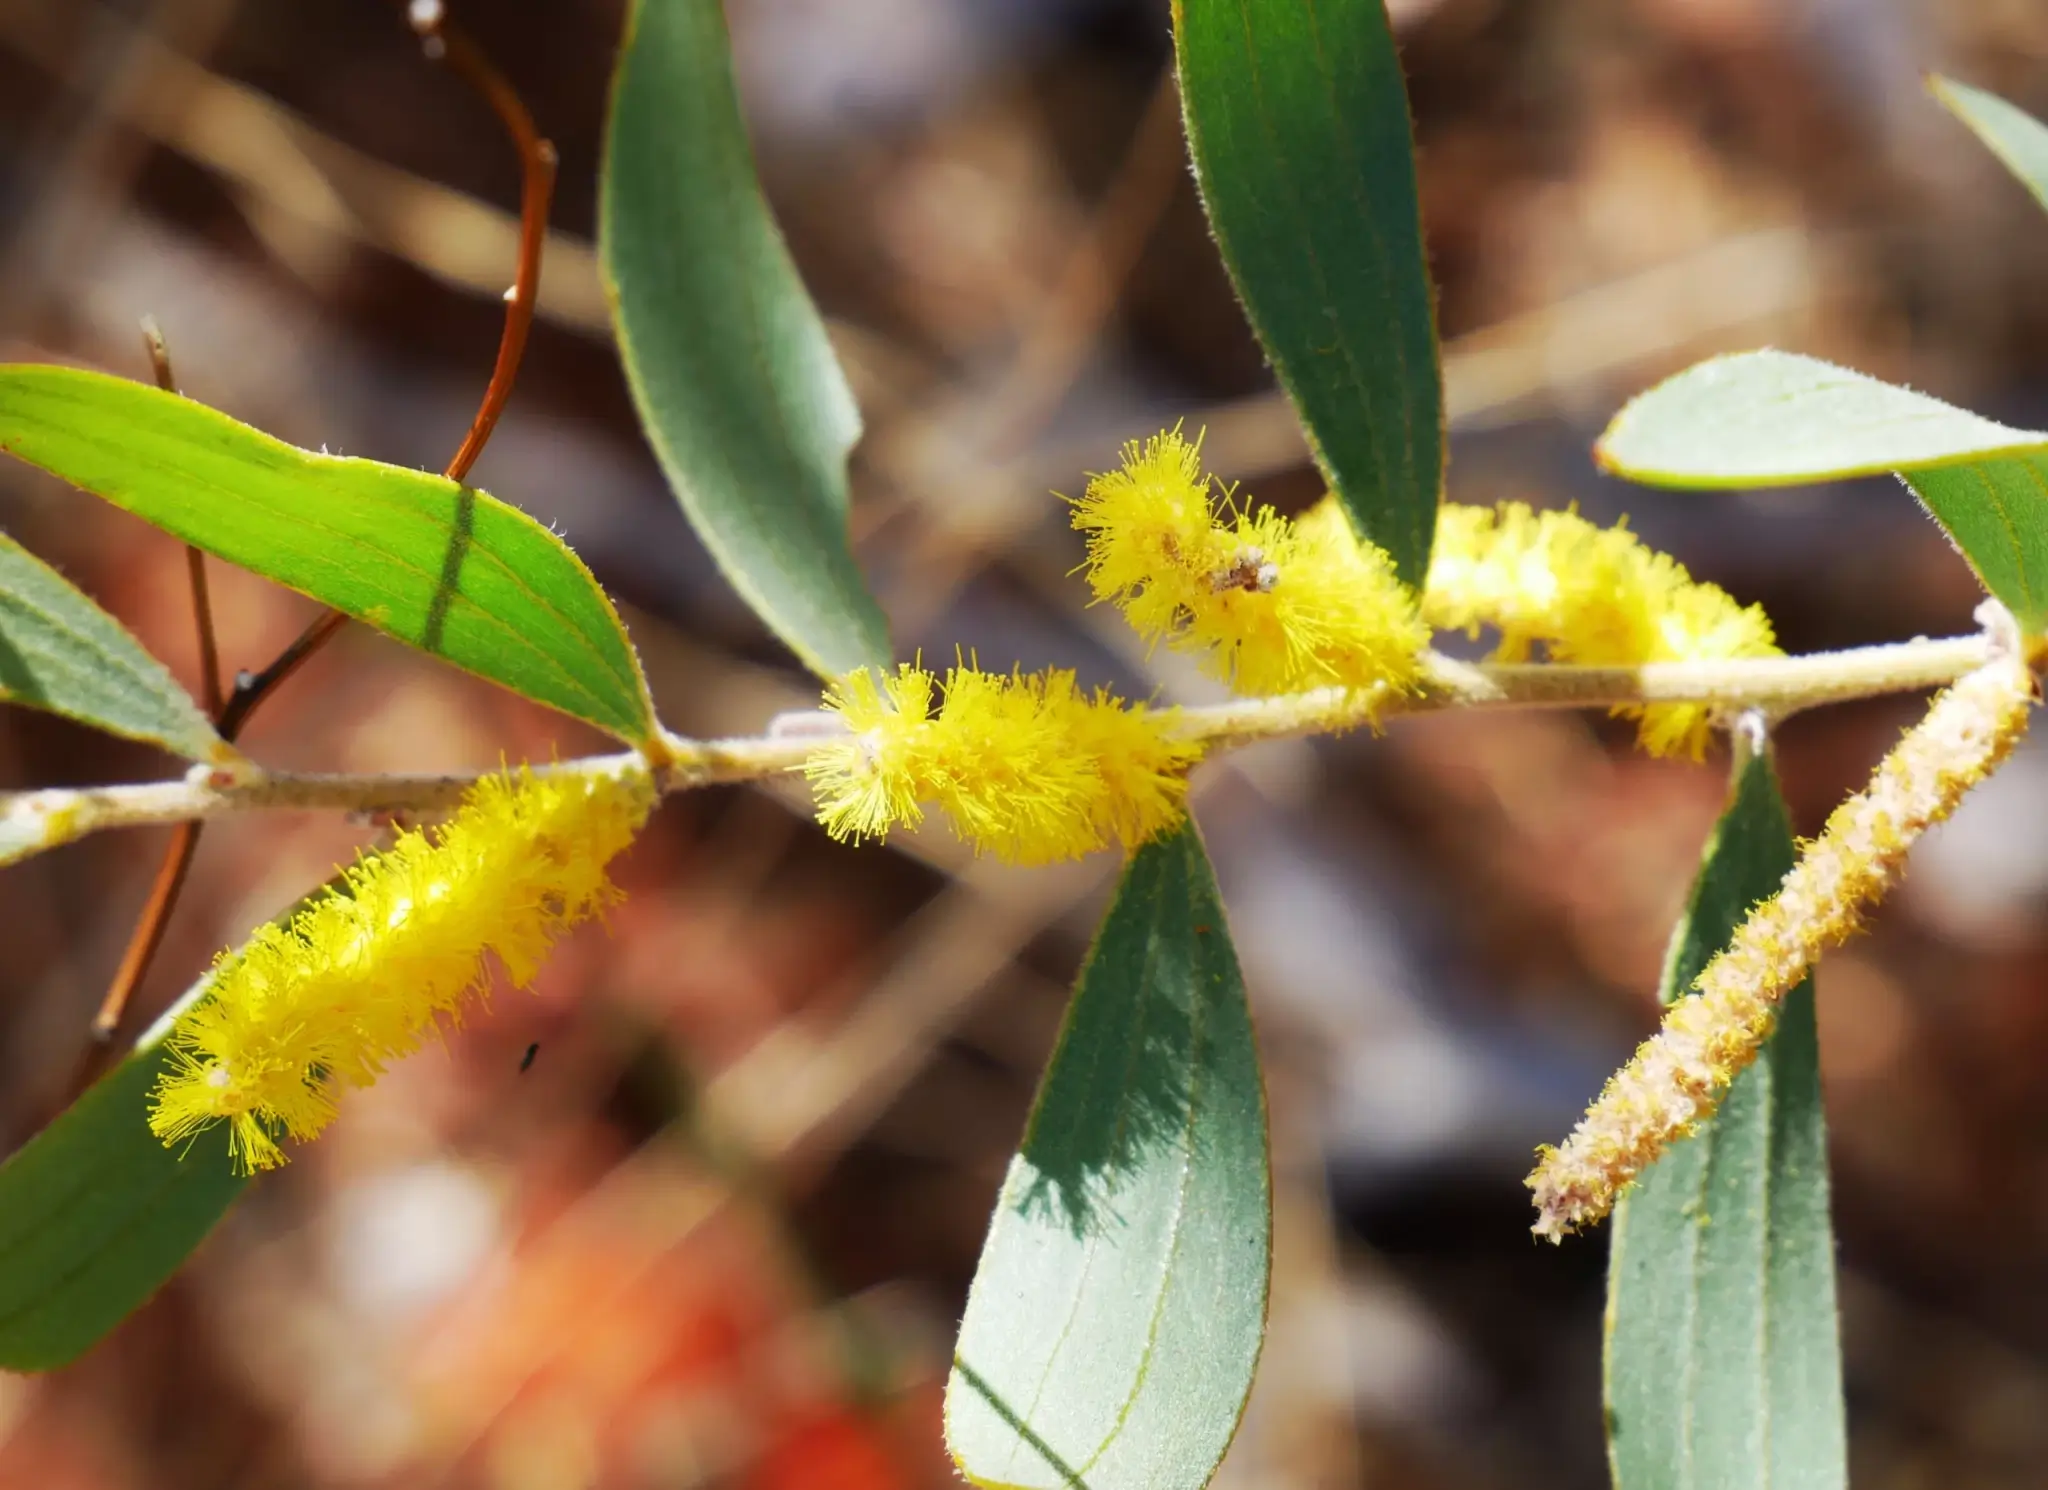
pixel 365 972
pixel 1024 765
pixel 1267 603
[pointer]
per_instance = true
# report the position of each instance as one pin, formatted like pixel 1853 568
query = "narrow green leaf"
pixel 1758 419
pixel 2013 135
pixel 1723 1362
pixel 95 1215
pixel 61 652
pixel 445 568
pixel 1297 119
pixel 736 385
pixel 1117 1314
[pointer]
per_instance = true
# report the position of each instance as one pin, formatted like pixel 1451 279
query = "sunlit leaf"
pixel 1758 419
pixel 61 652
pixel 1117 1314
pixel 1723 1360
pixel 444 568
pixel 736 385
pixel 1297 119
pixel 1770 418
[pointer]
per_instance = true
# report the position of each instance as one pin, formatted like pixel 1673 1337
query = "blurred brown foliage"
pixel 719 1232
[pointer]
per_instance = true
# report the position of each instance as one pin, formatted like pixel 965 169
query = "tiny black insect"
pixel 527 1059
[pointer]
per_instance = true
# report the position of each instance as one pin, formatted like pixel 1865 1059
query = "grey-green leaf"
pixel 1759 419
pixel 2016 137
pixel 444 568
pixel 1297 119
pixel 1116 1316
pixel 736 385
pixel 95 1215
pixel 1723 1359
pixel 61 652
pixel 1769 418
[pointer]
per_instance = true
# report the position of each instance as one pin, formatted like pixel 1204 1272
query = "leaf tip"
pixel 1603 448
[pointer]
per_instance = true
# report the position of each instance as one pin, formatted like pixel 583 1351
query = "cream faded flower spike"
pixel 1679 1074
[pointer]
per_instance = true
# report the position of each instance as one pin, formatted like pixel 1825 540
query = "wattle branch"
pixel 34 820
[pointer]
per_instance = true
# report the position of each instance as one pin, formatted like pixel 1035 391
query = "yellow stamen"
pixel 1588 595
pixel 362 975
pixel 1024 765
pixel 1268 604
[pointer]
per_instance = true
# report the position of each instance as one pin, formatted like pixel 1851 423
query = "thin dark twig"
pixel 143 943
pixel 537 183
pixel 177 860
pixel 253 689
pixel 195 560
pixel 209 650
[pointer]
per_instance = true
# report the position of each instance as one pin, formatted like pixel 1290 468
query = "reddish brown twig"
pixel 195 561
pixel 537 182
pixel 170 874
pixel 536 189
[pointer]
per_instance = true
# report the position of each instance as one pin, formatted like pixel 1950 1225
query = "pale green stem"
pixel 1776 686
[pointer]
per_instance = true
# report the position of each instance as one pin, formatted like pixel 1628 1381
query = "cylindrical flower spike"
pixel 1678 1075
pixel 1275 605
pixel 1589 595
pixel 1024 765
pixel 1268 604
pixel 363 974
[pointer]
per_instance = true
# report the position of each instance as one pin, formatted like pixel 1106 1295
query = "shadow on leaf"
pixel 1121 1090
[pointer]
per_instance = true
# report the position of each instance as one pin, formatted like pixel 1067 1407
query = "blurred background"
pixel 720 1230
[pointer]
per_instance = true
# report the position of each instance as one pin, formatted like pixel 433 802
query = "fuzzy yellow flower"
pixel 1149 522
pixel 874 780
pixel 1587 595
pixel 1268 604
pixel 1024 765
pixel 365 973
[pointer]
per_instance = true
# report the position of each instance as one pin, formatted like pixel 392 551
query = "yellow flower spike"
pixel 1303 604
pixel 1024 765
pixel 1268 604
pixel 361 976
pixel 1677 1077
pixel 873 779
pixel 1007 769
pixel 1588 595
pixel 1143 768
pixel 1152 536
